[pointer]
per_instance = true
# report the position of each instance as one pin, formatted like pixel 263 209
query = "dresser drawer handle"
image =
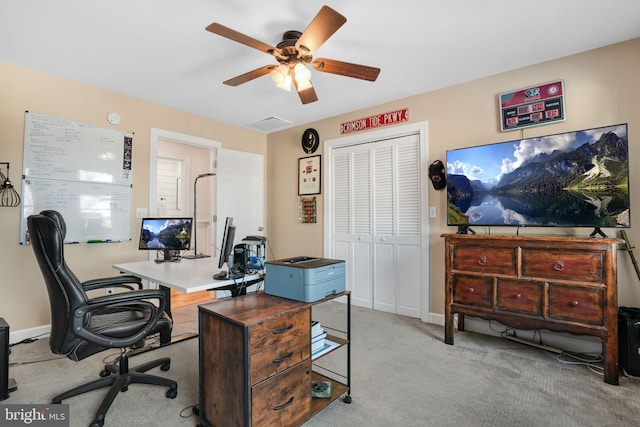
pixel 558 266
pixel 471 290
pixel 284 405
pixel 280 331
pixel 482 260
pixel 283 358
pixel 518 296
pixel 575 303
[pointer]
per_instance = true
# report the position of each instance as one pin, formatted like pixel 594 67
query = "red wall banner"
pixel 378 120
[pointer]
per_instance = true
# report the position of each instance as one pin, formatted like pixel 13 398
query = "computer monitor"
pixel 169 235
pixel 226 250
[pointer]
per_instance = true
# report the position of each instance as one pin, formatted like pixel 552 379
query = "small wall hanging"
pixel 308 210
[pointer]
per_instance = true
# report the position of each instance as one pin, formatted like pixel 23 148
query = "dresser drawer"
pixel 484 259
pixel 570 265
pixel 518 296
pixel 283 400
pixel 576 304
pixel 276 359
pixel 279 329
pixel 472 290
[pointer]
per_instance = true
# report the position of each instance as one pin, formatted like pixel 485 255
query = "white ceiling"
pixel 159 51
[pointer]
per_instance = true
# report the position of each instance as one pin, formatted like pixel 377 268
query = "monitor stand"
pixel 597 232
pixel 465 229
pixel 169 255
pixel 196 256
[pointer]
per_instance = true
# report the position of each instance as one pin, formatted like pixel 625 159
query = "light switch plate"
pixel 433 212
pixel 141 212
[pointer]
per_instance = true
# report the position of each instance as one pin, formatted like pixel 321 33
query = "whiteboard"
pixel 63 149
pixel 81 170
pixel 91 211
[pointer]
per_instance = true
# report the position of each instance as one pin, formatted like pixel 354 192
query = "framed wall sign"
pixel 309 175
pixel 533 106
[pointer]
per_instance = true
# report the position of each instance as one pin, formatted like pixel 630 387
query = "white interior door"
pixel 240 194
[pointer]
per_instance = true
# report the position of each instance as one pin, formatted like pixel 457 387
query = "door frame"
pixel 366 137
pixel 179 138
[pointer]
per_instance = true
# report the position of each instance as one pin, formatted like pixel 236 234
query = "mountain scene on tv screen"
pixel 170 234
pixel 572 179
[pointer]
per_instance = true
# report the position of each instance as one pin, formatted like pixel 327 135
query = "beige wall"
pixel 602 88
pixel 23 298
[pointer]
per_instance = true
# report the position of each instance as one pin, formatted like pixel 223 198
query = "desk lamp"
pixel 195 222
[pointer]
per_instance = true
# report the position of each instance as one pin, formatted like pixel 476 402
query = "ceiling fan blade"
pixel 308 95
pixel 234 35
pixel 346 69
pixel 323 25
pixel 243 78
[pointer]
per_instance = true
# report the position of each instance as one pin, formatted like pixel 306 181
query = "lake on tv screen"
pixel 572 179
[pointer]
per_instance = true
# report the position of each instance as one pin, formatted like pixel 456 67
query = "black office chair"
pixel 82 326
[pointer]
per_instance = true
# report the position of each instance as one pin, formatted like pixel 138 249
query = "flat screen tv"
pixel 170 235
pixel 572 179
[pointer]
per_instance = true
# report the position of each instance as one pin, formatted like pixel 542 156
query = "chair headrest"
pixel 58 219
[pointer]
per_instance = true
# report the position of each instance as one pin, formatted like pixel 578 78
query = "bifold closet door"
pixel 376 222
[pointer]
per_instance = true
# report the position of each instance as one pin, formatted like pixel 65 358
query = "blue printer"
pixel 304 278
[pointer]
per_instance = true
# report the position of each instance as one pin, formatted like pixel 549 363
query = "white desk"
pixel 187 275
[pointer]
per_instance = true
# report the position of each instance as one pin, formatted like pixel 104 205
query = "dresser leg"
pixel 460 322
pixel 610 354
pixel 448 326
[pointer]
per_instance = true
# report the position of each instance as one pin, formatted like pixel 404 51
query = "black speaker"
pixel 4 359
pixel 629 339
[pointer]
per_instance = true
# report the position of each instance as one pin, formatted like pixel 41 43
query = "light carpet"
pixel 402 375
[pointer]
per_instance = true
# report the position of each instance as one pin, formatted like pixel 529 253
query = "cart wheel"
pixel 347 399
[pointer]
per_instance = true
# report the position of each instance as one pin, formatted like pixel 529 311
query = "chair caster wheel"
pixel 96 423
pixel 165 366
pixel 105 373
pixel 172 393
pixel 347 399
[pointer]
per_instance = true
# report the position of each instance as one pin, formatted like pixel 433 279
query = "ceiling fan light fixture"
pixel 285 84
pixel 302 74
pixel 280 75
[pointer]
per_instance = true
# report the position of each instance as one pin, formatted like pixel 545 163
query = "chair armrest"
pixel 121 281
pixel 132 300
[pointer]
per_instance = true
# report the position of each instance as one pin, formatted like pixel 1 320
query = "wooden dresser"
pixel 563 284
pixel 255 362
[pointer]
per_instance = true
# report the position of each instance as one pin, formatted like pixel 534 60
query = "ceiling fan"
pixel 295 52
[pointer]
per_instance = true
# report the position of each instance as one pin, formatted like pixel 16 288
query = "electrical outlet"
pixel 433 212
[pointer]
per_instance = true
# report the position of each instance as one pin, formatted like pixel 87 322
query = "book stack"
pixel 318 336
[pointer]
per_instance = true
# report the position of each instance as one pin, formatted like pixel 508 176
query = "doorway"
pixel 176 160
pixel 237 189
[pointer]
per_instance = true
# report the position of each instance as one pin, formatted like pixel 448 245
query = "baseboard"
pixel 435 318
pixel 23 334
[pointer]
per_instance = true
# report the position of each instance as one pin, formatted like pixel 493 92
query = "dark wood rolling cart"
pixel 341 382
pixel 255 361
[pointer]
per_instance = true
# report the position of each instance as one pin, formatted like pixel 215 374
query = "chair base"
pixel 120 382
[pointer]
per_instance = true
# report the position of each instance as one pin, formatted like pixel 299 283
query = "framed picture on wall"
pixel 309 175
